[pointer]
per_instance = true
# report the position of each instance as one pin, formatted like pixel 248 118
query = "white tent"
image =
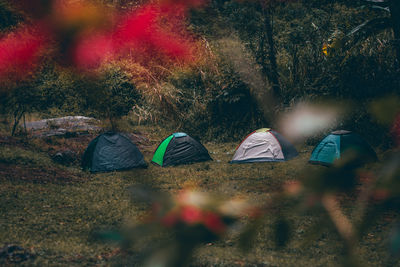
pixel 264 145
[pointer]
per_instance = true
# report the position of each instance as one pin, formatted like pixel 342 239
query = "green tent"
pixel 180 148
pixel 337 144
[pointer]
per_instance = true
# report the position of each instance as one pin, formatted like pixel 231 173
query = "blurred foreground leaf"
pixel 385 109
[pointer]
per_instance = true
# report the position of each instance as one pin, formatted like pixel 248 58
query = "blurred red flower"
pixel 191 214
pixel 214 222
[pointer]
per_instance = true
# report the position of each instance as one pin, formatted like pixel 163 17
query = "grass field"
pixel 53 210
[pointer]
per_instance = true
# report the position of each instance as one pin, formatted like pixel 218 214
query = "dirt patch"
pixel 77 144
pixel 38 175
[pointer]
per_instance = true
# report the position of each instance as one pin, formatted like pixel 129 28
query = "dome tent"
pixel 336 144
pixel 264 145
pixel 110 152
pixel 179 148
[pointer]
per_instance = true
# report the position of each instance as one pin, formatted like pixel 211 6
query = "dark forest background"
pixel 341 51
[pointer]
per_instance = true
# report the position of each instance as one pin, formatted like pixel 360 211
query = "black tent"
pixel 180 148
pixel 112 151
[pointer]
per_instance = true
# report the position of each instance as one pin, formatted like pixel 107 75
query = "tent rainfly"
pixel 264 145
pixel 341 142
pixel 180 148
pixel 110 152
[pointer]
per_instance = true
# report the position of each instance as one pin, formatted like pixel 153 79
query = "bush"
pixel 111 95
pixel 215 102
pixel 50 92
pixel 59 94
pixel 23 98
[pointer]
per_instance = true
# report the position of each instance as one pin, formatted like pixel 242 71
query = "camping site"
pixel 169 133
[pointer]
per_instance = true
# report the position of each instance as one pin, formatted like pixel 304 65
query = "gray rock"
pixel 64 126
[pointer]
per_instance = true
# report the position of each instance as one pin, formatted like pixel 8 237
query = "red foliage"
pixel 92 50
pixel 153 32
pixel 140 31
pixel 19 51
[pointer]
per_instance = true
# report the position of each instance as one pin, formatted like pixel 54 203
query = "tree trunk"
pixel 113 124
pixel 295 62
pixel 395 17
pixel 271 55
pixel 26 132
pixel 17 118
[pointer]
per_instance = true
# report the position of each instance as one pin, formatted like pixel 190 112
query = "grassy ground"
pixel 52 210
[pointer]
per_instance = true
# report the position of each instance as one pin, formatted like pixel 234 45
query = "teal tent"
pixel 110 152
pixel 339 143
